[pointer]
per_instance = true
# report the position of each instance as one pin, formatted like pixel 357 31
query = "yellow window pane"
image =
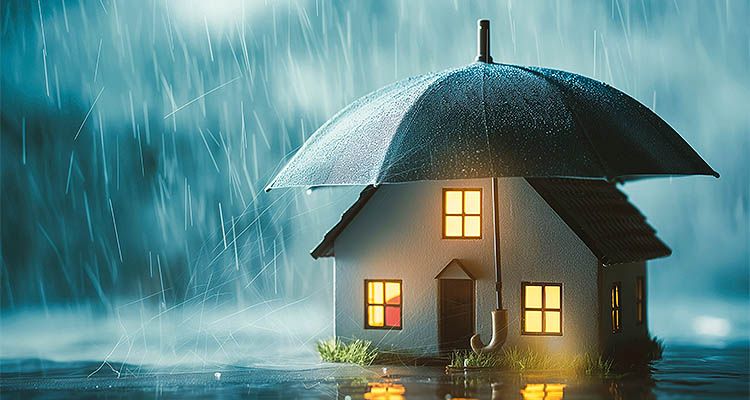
pixel 617 296
pixel 533 321
pixel 375 292
pixel 453 226
pixel 552 321
pixel 453 201
pixel 472 226
pixel 375 315
pixel 393 293
pixel 472 202
pixel 533 296
pixel 552 297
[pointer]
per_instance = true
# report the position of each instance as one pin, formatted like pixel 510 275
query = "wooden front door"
pixel 455 314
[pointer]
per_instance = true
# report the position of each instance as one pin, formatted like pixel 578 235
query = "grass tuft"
pixel 595 365
pixel 518 359
pixel 655 348
pixel 638 352
pixel 462 358
pixel 358 352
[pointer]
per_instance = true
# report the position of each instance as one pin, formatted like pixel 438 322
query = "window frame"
pixel 463 215
pixel 400 305
pixel 640 301
pixel 542 309
pixel 615 302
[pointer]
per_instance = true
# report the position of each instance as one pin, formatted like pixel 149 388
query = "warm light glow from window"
pixel 472 202
pixel 533 296
pixel 375 316
pixel 552 296
pixel 453 200
pixel 534 321
pixel 542 314
pixel 393 293
pixel 375 293
pixel 552 321
pixel 472 226
pixel 615 302
pixel 462 209
pixel 453 226
pixel 383 304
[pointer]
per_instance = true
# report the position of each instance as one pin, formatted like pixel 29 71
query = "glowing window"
pixel 462 213
pixel 640 305
pixel 615 302
pixel 382 304
pixel 542 308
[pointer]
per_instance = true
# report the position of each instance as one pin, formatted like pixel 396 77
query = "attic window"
pixel 382 304
pixel 542 308
pixel 462 213
pixel 615 302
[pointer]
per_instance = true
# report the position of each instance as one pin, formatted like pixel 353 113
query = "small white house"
pixel 420 266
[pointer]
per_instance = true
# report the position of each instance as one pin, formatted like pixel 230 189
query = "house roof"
pixel 604 219
pixel 598 213
pixel 325 247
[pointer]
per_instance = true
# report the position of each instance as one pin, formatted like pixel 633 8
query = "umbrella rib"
pixel 416 105
pixel 574 112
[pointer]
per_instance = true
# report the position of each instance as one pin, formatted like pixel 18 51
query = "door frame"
pixel 440 311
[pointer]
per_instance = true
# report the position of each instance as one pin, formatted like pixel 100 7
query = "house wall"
pixel 398 235
pixel 538 246
pixel 626 274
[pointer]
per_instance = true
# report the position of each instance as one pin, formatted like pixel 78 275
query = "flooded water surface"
pixel 683 373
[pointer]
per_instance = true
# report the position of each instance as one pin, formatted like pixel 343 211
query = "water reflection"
pixel 688 372
pixel 384 391
pixel 542 391
pixel 546 385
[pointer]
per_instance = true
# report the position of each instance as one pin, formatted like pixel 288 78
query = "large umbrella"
pixel 491 120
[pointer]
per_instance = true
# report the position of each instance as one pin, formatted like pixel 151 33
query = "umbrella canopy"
pixel 491 120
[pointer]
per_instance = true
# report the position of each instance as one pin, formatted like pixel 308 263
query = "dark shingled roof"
pixel 325 248
pixel 601 215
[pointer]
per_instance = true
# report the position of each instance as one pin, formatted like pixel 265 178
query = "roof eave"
pixel 325 247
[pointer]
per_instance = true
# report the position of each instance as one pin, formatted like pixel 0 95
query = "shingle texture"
pixel 601 215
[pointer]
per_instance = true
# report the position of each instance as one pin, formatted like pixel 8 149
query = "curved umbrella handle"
pixel 499 334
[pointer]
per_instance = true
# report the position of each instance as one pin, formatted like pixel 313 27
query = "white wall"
pixel 538 246
pixel 398 235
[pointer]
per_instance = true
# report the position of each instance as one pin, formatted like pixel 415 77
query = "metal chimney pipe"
pixel 484 41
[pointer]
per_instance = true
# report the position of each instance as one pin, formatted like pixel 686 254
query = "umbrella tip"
pixel 484 41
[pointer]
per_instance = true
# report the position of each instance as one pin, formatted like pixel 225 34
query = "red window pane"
pixel 393 316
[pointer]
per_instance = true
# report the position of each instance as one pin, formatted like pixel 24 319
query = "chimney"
pixel 484 41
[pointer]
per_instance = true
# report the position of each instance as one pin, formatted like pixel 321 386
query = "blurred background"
pixel 138 136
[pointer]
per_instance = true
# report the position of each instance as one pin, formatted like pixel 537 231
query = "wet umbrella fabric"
pixel 491 120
